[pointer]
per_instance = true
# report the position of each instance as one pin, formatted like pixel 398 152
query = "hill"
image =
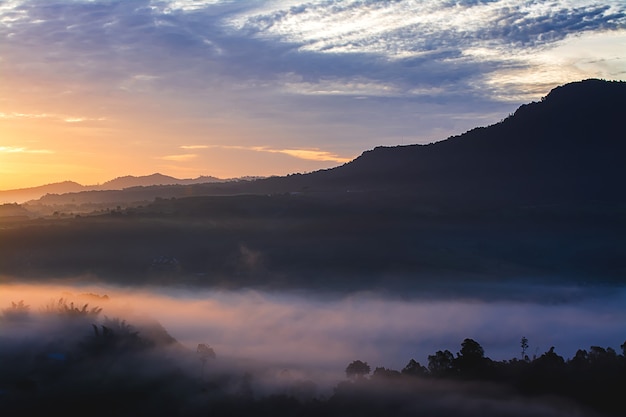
pixel 24 194
pixel 569 147
pixel 129 181
pixel 120 183
pixel 534 197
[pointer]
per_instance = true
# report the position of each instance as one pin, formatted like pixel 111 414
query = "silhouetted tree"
pixel 357 369
pixel 524 346
pixel 471 350
pixel 471 359
pixel 17 311
pixel 62 308
pixel 204 352
pixel 381 372
pixel 441 363
pixel 580 361
pixel 413 368
pixel 550 360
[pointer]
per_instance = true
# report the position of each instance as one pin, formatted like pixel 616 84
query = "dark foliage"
pixel 357 369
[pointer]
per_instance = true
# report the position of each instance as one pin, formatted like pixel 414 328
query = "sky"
pixel 95 89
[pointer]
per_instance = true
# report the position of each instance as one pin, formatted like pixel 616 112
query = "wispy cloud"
pixel 60 117
pixel 16 115
pixel 191 147
pixel 400 29
pixel 308 154
pixel 18 149
pixel 311 154
pixel 381 48
pixel 179 158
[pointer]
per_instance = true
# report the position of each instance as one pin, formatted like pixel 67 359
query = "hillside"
pixel 569 147
pixel 536 197
pixel 24 194
pixel 69 187
pixel 129 181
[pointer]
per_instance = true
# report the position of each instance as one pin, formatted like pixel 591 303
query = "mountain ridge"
pixel 535 197
pixel 21 195
pixel 565 148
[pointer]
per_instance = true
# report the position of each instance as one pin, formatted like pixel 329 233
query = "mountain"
pixel 120 183
pixel 129 181
pixel 537 198
pixel 567 148
pixel 25 194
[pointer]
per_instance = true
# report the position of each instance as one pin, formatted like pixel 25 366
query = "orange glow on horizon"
pixel 76 144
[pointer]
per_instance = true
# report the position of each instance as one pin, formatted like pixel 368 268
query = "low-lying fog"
pixel 323 333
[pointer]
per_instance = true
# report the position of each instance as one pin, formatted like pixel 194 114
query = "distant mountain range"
pixel 569 147
pixel 149 180
pixel 120 183
pixel 538 196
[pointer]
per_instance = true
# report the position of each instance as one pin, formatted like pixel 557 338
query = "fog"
pixel 319 334
pixel 280 353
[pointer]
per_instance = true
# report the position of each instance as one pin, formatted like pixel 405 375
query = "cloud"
pixel 385 48
pixel 16 115
pixel 179 158
pixel 309 154
pixel 400 29
pixel 16 149
pixel 191 147
pixel 64 118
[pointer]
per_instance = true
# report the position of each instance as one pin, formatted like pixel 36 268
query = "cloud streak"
pixel 179 158
pixel 308 154
pixel 19 149
pixel 191 147
pixel 56 117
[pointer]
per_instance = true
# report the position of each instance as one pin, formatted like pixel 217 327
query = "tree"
pixel 17 311
pixel 471 350
pixel 384 373
pixel 204 352
pixel 357 369
pixel 549 362
pixel 471 359
pixel 524 346
pixel 441 363
pixel 413 368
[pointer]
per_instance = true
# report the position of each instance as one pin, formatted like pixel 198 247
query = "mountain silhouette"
pixel 567 148
pixel 129 181
pixel 120 183
pixel 537 195
pixel 25 194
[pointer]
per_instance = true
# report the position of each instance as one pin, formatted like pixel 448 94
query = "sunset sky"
pixel 95 89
